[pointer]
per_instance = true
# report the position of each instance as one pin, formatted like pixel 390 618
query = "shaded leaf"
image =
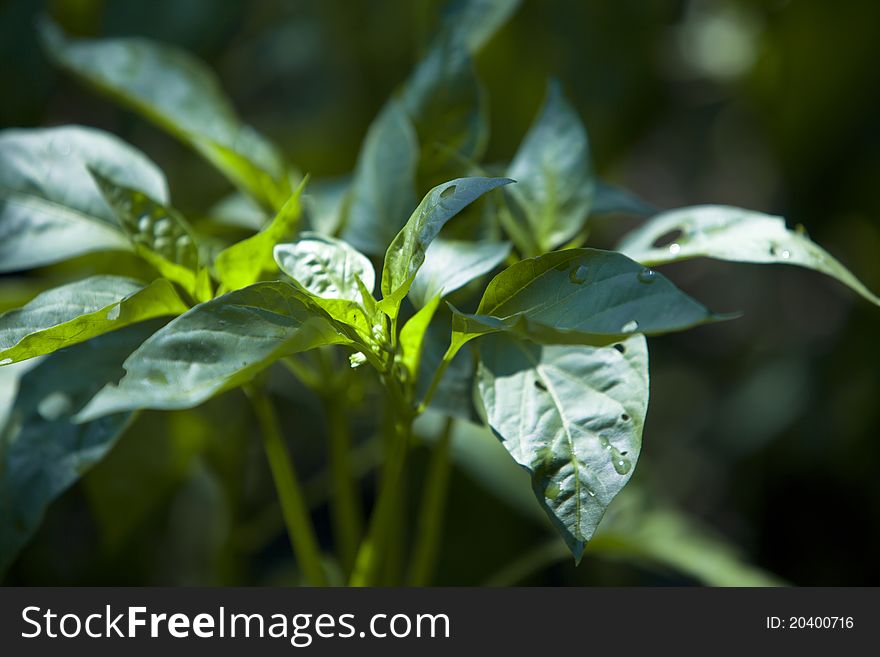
pixel 242 263
pixel 728 233
pixel 50 208
pixel 76 312
pixel 42 452
pixel 611 199
pixel 573 417
pixel 383 188
pixel 215 346
pixel 407 252
pixel 181 95
pixel 452 264
pixel 476 21
pixel 325 202
pixel 552 166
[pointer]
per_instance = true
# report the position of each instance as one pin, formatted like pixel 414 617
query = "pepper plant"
pixel 480 303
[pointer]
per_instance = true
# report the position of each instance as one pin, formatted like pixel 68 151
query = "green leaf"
pixel 42 453
pixel 447 106
pixel 582 296
pixel 475 21
pixel 413 334
pixel 331 272
pixel 383 189
pixel 452 264
pixel 50 208
pixel 215 346
pixel 611 199
pixel 728 233
pixel 407 252
pixel 240 211
pixel 79 311
pixel 573 417
pixel 556 184
pixel 325 203
pixel 242 263
pixel 179 94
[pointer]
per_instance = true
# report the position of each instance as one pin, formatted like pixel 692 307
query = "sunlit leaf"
pixel 79 311
pixel 407 252
pixel 215 346
pixel 50 208
pixel 242 263
pixel 413 334
pixel 42 452
pixel 728 233
pixel 179 94
pixel 572 416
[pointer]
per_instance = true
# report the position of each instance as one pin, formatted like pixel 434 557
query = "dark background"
pixel 765 428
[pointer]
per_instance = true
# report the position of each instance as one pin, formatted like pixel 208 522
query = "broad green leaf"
pixel 728 233
pixel 413 334
pixel 42 452
pixel 573 417
pixel 50 208
pixel 639 529
pixel 583 296
pixel 452 264
pixel 242 263
pixel 79 311
pixel 239 210
pixel 383 188
pixel 407 252
pixel 329 271
pixel 447 106
pixel 159 235
pixel 552 167
pixel 181 95
pixel 215 346
pixel 611 199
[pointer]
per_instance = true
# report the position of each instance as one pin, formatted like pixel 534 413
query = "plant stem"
pixel 533 561
pixel 432 510
pixel 373 547
pixel 293 504
pixel 345 505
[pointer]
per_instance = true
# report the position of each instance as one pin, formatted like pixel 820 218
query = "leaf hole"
pixel 449 191
pixel 620 348
pixel 540 385
pixel 624 417
pixel 667 238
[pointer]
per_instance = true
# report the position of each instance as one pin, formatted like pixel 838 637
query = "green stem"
pixel 293 504
pixel 533 561
pixel 432 510
pixel 373 547
pixel 453 349
pixel 345 505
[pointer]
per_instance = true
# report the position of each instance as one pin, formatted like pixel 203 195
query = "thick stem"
pixel 293 504
pixel 432 510
pixel 373 547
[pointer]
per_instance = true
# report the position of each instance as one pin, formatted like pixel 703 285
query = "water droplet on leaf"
pixel 674 248
pixel 579 275
pixel 449 191
pixel 647 276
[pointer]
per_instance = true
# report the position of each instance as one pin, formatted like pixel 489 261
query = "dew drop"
pixel 647 276
pixel 621 464
pixel 591 492
pixel 579 275
pixel 449 191
pixel 629 327
pixel 674 248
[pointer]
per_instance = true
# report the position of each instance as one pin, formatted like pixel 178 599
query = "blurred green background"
pixel 765 429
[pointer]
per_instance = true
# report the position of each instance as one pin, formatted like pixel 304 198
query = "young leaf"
pixel 383 188
pixel 78 311
pixel 573 417
pixel 215 346
pixel 728 233
pixel 242 264
pixel 446 104
pixel 583 296
pixel 179 94
pixel 413 334
pixel 556 184
pixel 50 208
pixel 407 252
pixel 329 271
pixel 452 264
pixel 42 453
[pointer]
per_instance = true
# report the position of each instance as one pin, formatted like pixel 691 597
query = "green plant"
pixel 553 353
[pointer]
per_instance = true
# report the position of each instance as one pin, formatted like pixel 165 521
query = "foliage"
pixel 556 339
